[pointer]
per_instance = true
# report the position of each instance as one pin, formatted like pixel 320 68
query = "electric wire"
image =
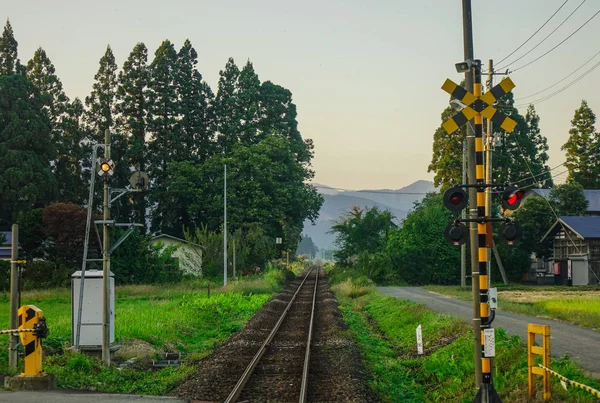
pixel 557 45
pixel 560 81
pixel 555 93
pixel 543 40
pixel 532 35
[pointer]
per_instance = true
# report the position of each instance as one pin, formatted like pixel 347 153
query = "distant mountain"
pixel 337 202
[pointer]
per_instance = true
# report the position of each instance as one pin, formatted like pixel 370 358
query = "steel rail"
pixel 304 386
pixel 237 390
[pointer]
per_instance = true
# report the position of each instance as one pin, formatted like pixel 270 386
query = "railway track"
pixel 279 371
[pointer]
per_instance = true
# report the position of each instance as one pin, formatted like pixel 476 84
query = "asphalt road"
pixel 58 396
pixel 581 343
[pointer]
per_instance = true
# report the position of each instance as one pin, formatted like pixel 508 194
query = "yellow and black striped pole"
pixel 484 310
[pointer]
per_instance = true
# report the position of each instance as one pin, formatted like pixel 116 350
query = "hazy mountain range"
pixel 337 202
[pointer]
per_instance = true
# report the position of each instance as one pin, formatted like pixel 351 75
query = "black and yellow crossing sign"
pixel 478 105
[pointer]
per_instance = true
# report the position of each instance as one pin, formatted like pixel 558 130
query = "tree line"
pixel 415 251
pixel 166 120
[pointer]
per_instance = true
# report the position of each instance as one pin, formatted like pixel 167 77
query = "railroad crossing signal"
pixel 455 199
pixel 478 105
pixel 512 197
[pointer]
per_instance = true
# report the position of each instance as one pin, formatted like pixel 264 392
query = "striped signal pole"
pixel 484 311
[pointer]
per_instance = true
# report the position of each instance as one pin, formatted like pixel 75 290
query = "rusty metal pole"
pixel 106 261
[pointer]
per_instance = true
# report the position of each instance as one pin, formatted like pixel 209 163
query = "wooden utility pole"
pixel 488 179
pixel 106 260
pixel 468 55
pixel 14 297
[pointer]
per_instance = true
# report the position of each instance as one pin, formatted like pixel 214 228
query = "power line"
pixel 547 36
pixel 558 82
pixel 560 43
pixel 395 192
pixel 546 97
pixel 532 35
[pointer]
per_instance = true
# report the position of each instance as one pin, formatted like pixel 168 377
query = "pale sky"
pixel 365 75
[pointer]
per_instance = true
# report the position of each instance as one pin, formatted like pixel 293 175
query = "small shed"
pixel 576 250
pixel 188 254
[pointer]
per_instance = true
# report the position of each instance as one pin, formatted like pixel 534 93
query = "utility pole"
pixel 463 214
pixel 225 226
pixel 106 260
pixel 468 55
pixel 488 179
pixel 234 277
pixel 14 297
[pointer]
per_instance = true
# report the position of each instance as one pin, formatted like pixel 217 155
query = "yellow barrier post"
pixel 544 351
pixel 30 317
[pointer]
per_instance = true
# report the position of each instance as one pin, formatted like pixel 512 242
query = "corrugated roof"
pixel 591 195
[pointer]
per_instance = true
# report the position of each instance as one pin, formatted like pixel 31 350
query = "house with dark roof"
pixel 591 195
pixel 576 250
pixel 5 247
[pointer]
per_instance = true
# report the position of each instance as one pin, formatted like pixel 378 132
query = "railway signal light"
pixel 455 199
pixel 510 232
pixel 106 168
pixel 512 197
pixel 456 233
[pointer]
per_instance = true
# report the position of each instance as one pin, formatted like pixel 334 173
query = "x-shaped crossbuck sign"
pixel 476 105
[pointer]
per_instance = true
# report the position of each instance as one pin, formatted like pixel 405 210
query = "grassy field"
pixel 577 305
pixel 149 321
pixel 384 329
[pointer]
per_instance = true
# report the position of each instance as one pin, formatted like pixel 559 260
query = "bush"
pixel 47 274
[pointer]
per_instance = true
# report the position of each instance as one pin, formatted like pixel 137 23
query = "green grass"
pixel 384 329
pixel 577 305
pixel 168 318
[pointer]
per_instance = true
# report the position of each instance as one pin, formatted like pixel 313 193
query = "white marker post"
pixel 419 340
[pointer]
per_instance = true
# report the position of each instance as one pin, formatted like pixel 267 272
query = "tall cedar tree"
pixel 100 117
pixel 583 157
pixel 66 134
pixel 226 110
pixel 26 180
pixel 132 105
pixel 523 151
pixel 278 117
pixel 248 105
pixel 163 118
pixel 9 61
pixel 194 129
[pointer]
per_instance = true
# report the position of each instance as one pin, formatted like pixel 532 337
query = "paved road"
pixel 57 396
pixel 582 343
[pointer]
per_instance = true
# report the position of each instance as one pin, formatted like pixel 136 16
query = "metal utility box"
pixel 91 314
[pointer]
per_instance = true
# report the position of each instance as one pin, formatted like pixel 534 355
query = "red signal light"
pixel 512 197
pixel 455 199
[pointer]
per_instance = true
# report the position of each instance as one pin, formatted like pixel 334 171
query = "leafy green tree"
pixel 535 218
pixel 361 231
pixel 446 161
pixel 421 232
pixel 569 199
pixel 194 125
pixel 307 247
pixel 523 151
pixel 9 61
pixel 226 110
pixel 26 180
pixel 583 165
pixel 132 105
pixel 66 132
